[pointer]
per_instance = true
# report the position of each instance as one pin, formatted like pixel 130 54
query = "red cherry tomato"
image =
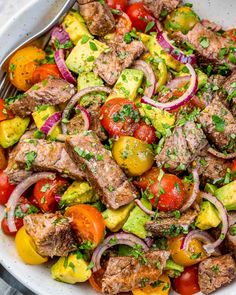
pixel 234 166
pixel 46 190
pixel 119 116
pixel 117 4
pixel 230 34
pixel 139 16
pixel 5 113
pixel 187 282
pixel 145 133
pixel 18 222
pixel 45 71
pixel 148 178
pixel 5 188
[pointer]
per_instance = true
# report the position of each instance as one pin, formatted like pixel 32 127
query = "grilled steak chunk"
pixel 103 173
pixel 126 273
pixel 49 92
pixel 158 6
pixel 181 147
pixel 98 18
pixel 51 233
pixel 214 273
pixel 228 94
pixel 170 227
pixel 48 156
pixel 110 64
pixel 219 125
pixel 206 43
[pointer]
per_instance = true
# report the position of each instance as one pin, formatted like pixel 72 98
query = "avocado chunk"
pixel 128 84
pixel 41 115
pixel 208 216
pixel 227 195
pixel 137 220
pixel 160 119
pixel 12 130
pixel 71 270
pixel 75 26
pixel 78 193
pixel 115 219
pixel 157 51
pixel 82 57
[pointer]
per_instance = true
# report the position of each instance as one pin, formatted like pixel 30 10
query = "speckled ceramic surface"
pixel 34 15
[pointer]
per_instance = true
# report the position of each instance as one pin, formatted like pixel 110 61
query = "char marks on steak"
pixel 217 272
pixel 169 227
pixel 98 17
pixel 51 233
pixel 124 274
pixel 101 170
pixel 156 7
pixel 52 91
pixel 109 65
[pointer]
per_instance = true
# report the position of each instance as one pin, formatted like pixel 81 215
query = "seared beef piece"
pixel 169 227
pixel 219 125
pixel 49 156
pixel 210 168
pixel 158 6
pixel 81 2
pixel 205 53
pixel 98 18
pixel 211 25
pixel 51 233
pixel 126 273
pixel 228 95
pixel 110 64
pixel 101 170
pixel 181 147
pixel 217 272
pixel 229 243
pixel 51 92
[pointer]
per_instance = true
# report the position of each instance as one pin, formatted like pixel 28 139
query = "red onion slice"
pixel 76 98
pixel 159 27
pixel 50 123
pixel 221 155
pixel 17 193
pixel 176 53
pixel 149 74
pixel 178 82
pixel 60 61
pixel 58 33
pixel 143 208
pixel 194 194
pixel 86 117
pixel 115 239
pixel 182 99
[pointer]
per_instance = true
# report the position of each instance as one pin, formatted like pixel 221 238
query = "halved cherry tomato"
pixel 3 159
pixel 117 4
pixel 5 113
pixel 119 116
pixel 139 16
pixel 5 188
pixel 234 166
pixel 87 223
pixel 45 71
pixel 18 222
pixel 46 190
pixel 187 282
pixel 148 178
pixel 96 280
pixel 230 34
pixel 145 133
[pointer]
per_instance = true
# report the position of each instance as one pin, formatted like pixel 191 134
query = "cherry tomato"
pixel 46 190
pixel 145 133
pixel 5 188
pixel 123 24
pixel 148 178
pixel 45 71
pixel 87 223
pixel 139 16
pixel 5 113
pixel 231 35
pixel 234 166
pixel 119 116
pixel 96 280
pixel 18 222
pixel 117 4
pixel 187 282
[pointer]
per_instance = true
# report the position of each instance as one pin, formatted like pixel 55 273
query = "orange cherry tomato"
pixel 5 113
pixel 5 188
pixel 87 223
pixel 187 282
pixel 45 71
pixel 96 280
pixel 234 166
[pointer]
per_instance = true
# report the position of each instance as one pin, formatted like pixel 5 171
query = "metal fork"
pixel 40 39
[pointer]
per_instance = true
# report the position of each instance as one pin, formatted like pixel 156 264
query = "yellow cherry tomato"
pixel 181 19
pixel 22 65
pixel 26 248
pixel 193 255
pixel 162 287
pixel 133 155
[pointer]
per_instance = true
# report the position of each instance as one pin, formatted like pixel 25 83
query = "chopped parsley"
pixel 30 157
pixel 195 256
pixel 204 42
pixel 45 187
pixel 232 230
pixel 84 39
pixel 67 45
pixel 93 46
pixel 215 268
pixel 72 266
pixel 219 123
pixel 125 112
pixel 83 153
pixel 91 265
pixel 149 26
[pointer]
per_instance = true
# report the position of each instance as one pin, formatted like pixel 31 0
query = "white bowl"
pixel 37 278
